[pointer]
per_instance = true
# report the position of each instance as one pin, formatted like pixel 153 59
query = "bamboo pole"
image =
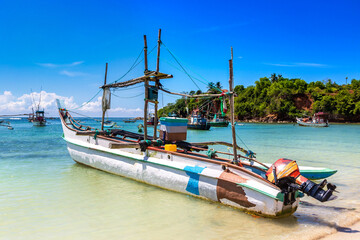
pixel 155 120
pixel 145 55
pixel 104 110
pixel 158 52
pixel 157 84
pixel 231 85
pixel 146 84
pixel 195 96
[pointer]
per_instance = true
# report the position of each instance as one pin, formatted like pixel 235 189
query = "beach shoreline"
pixel 351 232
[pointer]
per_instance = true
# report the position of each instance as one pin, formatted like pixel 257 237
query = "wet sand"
pixel 352 232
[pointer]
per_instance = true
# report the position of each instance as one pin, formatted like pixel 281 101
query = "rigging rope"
pixel 97 120
pixel 131 68
pixel 180 65
pixel 88 101
pixel 242 141
pixel 141 94
pixel 190 76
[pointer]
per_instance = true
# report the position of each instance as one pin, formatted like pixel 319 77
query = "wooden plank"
pixel 123 145
pixel 150 76
pixel 89 132
pixel 197 96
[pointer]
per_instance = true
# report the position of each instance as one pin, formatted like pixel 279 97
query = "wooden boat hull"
pixel 39 123
pixel 218 124
pixel 198 126
pixel 215 185
pixel 237 188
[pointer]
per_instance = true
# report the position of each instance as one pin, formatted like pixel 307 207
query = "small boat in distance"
pixel 151 120
pixel 319 119
pixel 6 124
pixel 129 120
pixel 198 122
pixel 109 124
pixel 218 122
pixel 39 119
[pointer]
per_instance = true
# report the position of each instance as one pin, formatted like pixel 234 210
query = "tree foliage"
pixel 279 96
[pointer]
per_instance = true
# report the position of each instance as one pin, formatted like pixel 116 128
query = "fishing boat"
pixel 109 124
pixel 218 122
pixel 39 119
pixel 6 124
pixel 129 120
pixel 198 122
pixel 151 120
pixel 318 120
pixel 168 161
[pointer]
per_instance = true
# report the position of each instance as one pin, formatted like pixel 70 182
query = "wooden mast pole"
pixel 146 89
pixel 103 99
pixel 158 52
pixel 231 85
pixel 157 85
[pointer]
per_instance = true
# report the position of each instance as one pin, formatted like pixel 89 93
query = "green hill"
pixel 282 99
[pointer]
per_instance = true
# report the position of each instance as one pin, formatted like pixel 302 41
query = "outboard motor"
pixel 285 174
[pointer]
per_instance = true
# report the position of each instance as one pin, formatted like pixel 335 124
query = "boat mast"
pixel 231 85
pixel 157 83
pixel 146 84
pixel 103 99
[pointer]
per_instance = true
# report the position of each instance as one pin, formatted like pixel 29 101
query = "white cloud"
pixel 96 109
pixel 10 104
pixel 297 64
pixel 53 65
pixel 72 74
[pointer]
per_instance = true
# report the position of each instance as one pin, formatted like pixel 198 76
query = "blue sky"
pixel 62 46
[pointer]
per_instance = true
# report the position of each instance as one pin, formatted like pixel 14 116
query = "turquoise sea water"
pixel 44 194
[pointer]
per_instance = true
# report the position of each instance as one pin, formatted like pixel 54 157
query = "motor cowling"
pixel 285 173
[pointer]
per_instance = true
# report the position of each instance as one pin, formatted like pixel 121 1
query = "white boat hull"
pixel 311 124
pixel 39 124
pixel 235 187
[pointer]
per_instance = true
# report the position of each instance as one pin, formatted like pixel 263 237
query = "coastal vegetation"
pixel 276 98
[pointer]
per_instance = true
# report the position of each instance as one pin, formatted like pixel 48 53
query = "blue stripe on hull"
pixel 193 184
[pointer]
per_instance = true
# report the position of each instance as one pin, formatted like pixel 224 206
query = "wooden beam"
pixel 150 76
pixel 196 96
pixel 123 145
pixel 81 133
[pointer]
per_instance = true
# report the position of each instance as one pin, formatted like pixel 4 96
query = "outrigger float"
pixel 169 162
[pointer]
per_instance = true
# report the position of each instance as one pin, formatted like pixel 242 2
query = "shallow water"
pixel 44 194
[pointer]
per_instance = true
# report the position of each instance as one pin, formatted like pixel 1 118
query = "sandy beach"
pixel 352 232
